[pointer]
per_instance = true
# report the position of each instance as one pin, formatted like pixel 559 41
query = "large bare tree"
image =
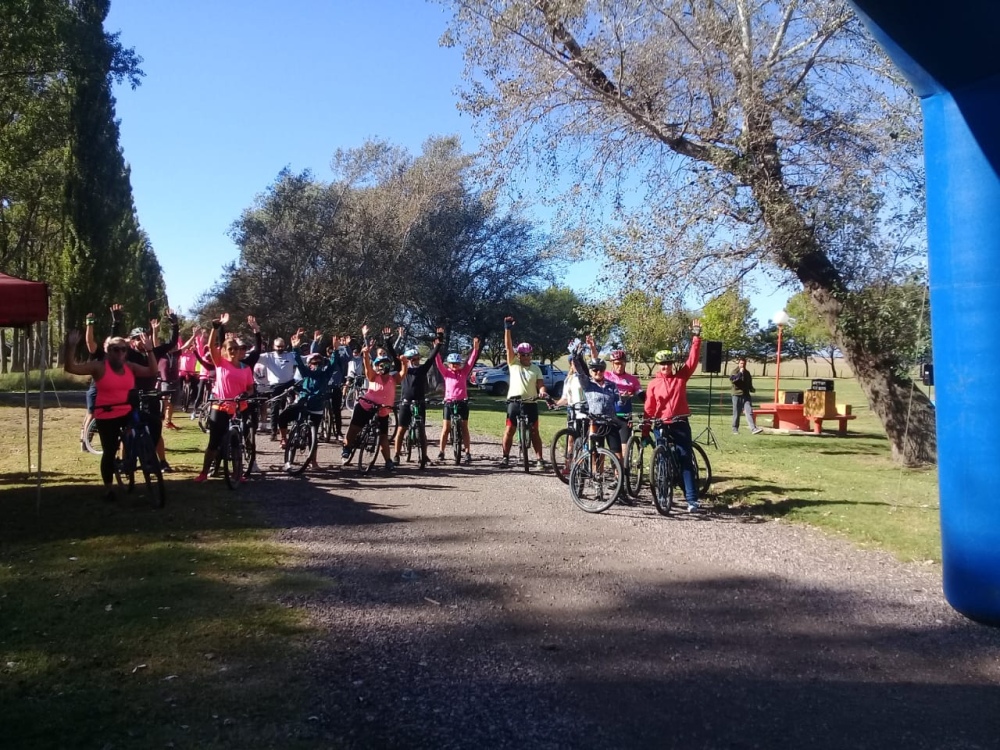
pixel 730 135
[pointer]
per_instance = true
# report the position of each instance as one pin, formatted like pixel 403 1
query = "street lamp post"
pixel 781 318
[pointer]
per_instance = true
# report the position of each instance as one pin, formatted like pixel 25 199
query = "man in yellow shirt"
pixel 526 385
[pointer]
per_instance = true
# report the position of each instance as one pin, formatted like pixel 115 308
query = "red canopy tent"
pixel 22 303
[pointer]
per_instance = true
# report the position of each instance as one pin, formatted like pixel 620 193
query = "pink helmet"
pixel 523 348
pixel 618 355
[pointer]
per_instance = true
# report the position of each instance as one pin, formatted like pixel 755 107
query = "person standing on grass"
pixel 456 390
pixel 114 376
pixel 742 400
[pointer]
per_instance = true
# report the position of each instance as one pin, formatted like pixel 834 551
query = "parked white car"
pixel 496 380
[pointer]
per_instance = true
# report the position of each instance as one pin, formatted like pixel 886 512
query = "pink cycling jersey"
pixel 186 363
pixel 381 390
pixel 230 381
pixel 456 382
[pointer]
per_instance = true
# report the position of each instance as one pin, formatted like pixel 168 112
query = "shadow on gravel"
pixel 523 657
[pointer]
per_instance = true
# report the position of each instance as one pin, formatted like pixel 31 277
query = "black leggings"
pixel 336 397
pixel 110 431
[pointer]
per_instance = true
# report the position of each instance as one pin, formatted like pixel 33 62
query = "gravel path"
pixel 474 607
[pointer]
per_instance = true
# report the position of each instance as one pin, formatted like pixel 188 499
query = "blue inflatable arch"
pixel 948 52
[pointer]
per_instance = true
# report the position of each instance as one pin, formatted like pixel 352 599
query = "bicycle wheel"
pixel 523 438
pixel 595 480
pixel 410 439
pixel 702 470
pixel 249 449
pixel 351 398
pixel 635 465
pixel 561 453
pixel 299 447
pixel 366 461
pixel 662 480
pixel 422 443
pixel 202 416
pixel 91 439
pixel 456 438
pixel 152 472
pixel 232 458
pixel 129 459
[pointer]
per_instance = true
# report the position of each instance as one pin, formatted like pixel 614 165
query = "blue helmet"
pixel 410 353
pixel 382 363
pixel 454 359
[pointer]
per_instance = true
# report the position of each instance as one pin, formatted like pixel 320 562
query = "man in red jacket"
pixel 666 400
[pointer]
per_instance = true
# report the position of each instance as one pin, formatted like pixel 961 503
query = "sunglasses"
pixel 118 349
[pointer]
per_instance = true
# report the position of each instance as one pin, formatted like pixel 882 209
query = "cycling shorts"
pixel 463 410
pixel 514 409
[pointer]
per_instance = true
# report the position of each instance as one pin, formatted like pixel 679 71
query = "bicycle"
pixel 567 443
pixel 368 442
pixel 416 434
pixel 239 447
pixel 635 464
pixel 89 439
pixel 666 470
pixel 596 477
pixel 138 449
pixel 355 390
pixel 455 416
pixel 523 431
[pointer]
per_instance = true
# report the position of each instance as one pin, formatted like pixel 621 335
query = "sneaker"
pixel 395 459
pixel 203 477
pixel 274 436
pixel 695 508
pixel 166 468
pixel 172 426
pixel 440 455
pixel 540 464
pixel 287 467
pixel 192 416
pixel 468 459
pixel 390 465
pixel 736 432
pixel 757 430
pixel 505 462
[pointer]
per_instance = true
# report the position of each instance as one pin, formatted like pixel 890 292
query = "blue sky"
pixel 235 91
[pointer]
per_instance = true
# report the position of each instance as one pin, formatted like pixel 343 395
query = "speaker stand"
pixel 707 432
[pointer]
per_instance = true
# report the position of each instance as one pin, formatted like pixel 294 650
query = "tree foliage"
pixel 66 210
pixel 393 240
pixel 729 318
pixel 774 134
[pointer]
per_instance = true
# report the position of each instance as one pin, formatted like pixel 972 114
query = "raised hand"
pixel 171 316
pixel 317 335
pixel 145 342
pixel 387 331
pixel 475 343
pixel 401 331
pixel 116 313
pixel 252 322
pixel 296 338
pixel 224 318
pixel 696 327
pixel 593 346
pixel 154 324
pixel 508 322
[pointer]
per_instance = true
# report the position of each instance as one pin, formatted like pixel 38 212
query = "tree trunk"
pixel 763 369
pixel 806 360
pixel 833 366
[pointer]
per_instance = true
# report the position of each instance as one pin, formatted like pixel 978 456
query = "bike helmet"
pixel 618 355
pixel 410 353
pixel 382 363
pixel 137 332
pixel 665 357
pixel 523 348
pixel 597 364
pixel 454 359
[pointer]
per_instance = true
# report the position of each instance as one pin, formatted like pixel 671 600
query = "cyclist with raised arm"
pixel 312 388
pixel 338 357
pixel 628 387
pixel 527 384
pixel 666 400
pixel 378 400
pixel 231 381
pixel 456 390
pixel 114 376
pixel 280 366
pixel 137 355
pixel 601 394
pixel 414 393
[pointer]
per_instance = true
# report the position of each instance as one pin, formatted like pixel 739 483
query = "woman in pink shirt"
pixel 377 402
pixel 231 381
pixel 456 390
pixel 114 377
